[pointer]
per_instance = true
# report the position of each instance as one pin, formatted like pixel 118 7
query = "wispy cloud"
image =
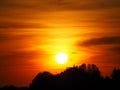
pixel 101 41
pixel 106 15
pixel 60 4
pixel 115 49
pixel 18 25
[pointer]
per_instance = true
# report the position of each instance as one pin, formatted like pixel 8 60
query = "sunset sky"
pixel 32 32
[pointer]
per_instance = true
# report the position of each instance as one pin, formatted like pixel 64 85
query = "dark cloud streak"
pixel 60 4
pixel 13 25
pixel 101 41
pixel 115 49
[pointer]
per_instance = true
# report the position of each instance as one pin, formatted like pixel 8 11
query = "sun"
pixel 61 58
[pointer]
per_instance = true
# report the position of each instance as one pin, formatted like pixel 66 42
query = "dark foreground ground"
pixel 83 77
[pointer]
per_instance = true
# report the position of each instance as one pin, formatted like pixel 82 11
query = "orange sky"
pixel 32 32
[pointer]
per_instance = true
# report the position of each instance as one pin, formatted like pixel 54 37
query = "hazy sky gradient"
pixel 32 32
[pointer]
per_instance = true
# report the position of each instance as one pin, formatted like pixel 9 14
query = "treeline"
pixel 83 77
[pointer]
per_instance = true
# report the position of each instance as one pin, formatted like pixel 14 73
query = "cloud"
pixel 22 54
pixel 102 45
pixel 16 24
pixel 35 10
pixel 115 49
pixel 60 4
pixel 21 58
pixel 91 4
pixel 101 41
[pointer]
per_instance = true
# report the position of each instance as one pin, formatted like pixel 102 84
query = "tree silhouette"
pixel 79 77
pixel 116 74
pixel 42 81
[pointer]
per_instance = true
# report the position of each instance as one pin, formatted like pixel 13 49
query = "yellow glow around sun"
pixel 61 58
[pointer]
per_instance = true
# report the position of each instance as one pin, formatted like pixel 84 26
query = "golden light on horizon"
pixel 61 58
